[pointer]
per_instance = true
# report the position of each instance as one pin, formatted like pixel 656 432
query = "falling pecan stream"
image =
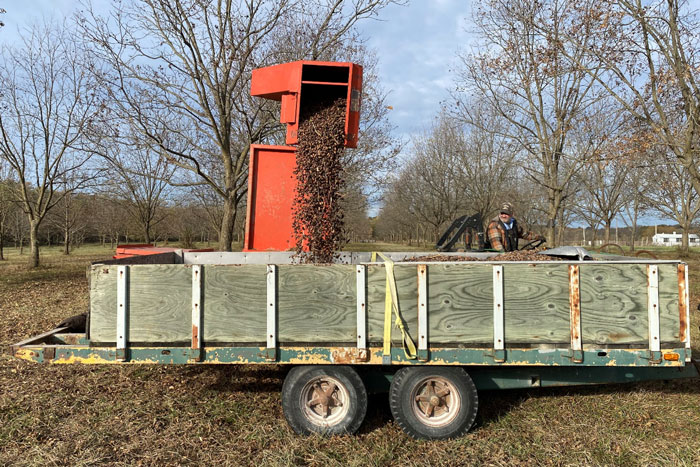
pixel 318 220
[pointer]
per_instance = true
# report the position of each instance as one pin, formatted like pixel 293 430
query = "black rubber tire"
pixel 404 406
pixel 296 387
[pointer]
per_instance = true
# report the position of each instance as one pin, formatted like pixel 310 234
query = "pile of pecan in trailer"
pixel 317 216
pixel 526 255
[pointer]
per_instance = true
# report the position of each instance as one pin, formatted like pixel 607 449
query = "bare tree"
pixel 180 71
pixel 7 205
pixel 648 59
pixel 70 218
pixel 46 104
pixel 140 178
pixel 520 71
pixel 430 185
pixel 486 163
pixel 671 193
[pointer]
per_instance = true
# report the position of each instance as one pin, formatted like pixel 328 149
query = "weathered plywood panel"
pixel 536 303
pixel 460 303
pixel 614 306
pixel 316 303
pixel 234 303
pixel 669 318
pixel 103 303
pixel 159 304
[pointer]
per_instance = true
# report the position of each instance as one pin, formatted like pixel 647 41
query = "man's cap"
pixel 506 208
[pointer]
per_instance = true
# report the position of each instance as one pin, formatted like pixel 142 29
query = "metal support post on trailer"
pixel 499 350
pixel 197 353
pixel 423 353
pixel 271 350
pixel 684 309
pixel 122 313
pixel 653 301
pixel 362 351
pixel 575 313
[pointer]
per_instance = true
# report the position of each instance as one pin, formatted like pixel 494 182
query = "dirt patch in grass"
pixel 231 415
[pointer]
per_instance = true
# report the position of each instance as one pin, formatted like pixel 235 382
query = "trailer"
pixel 433 334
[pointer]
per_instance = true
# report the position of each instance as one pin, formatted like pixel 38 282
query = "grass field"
pixel 228 415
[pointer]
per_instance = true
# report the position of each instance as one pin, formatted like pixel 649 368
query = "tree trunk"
pixel 607 231
pixel 66 242
pixel 684 239
pixel 2 245
pixel 34 243
pixel 227 224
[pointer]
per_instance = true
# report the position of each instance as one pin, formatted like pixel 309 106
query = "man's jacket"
pixel 503 240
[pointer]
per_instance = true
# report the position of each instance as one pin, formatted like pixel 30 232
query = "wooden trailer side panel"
pixel 318 303
pixel 233 304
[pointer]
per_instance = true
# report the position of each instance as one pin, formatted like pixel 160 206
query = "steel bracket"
pixel 122 355
pixel 271 354
pixel 499 355
pixel 654 356
pixel 576 356
pixel 423 355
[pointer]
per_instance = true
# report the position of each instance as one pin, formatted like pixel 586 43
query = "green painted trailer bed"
pixel 433 332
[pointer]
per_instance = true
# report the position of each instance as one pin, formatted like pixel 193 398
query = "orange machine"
pixel 271 181
pixel 300 84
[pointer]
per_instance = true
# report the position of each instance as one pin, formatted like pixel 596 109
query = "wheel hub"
pixel 325 401
pixel 436 401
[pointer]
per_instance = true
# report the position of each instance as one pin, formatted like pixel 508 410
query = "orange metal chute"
pixel 299 84
pixel 271 181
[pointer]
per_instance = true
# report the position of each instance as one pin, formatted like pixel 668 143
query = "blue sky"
pixel 415 44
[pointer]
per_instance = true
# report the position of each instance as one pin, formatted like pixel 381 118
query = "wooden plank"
pixel 536 303
pixel 460 299
pixel 103 298
pixel 317 303
pixel 160 303
pixel 614 308
pixel 234 303
pixel 669 305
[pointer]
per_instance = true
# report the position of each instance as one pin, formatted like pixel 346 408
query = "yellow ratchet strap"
pixel 391 302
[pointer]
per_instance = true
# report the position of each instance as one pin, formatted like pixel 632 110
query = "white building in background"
pixel 674 239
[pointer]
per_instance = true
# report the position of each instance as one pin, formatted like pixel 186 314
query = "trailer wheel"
pixel 329 400
pixel 433 402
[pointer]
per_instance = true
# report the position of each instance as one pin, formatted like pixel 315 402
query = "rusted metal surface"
pixel 196 312
pixel 682 303
pixel 195 336
pixel 347 356
pixel 575 312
